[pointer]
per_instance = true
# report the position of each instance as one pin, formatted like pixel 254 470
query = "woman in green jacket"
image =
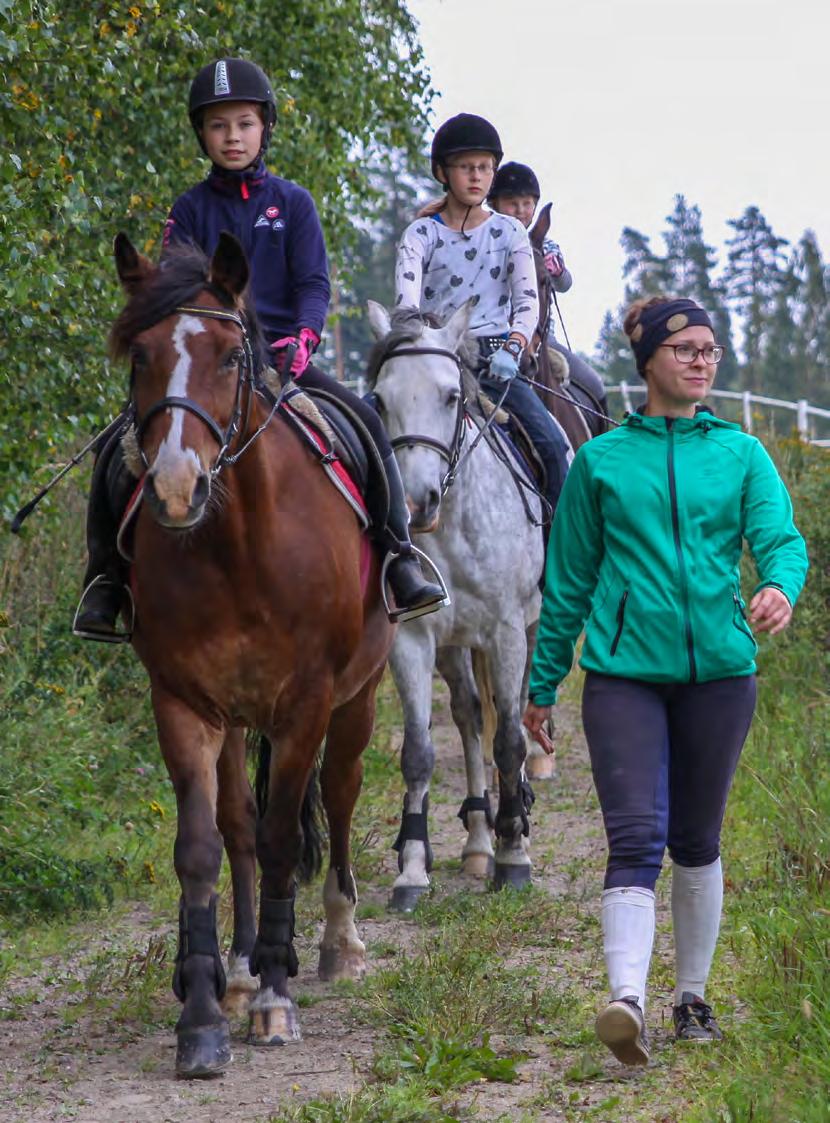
pixel 645 556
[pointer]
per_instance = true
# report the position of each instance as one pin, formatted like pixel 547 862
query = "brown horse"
pixel 253 609
pixel 577 411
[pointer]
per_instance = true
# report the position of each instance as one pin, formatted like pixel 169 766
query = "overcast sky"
pixel 621 104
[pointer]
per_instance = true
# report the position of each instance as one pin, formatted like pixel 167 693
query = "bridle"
pixel 245 380
pixel 454 453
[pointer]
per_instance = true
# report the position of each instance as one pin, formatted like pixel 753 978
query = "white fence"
pixel 805 414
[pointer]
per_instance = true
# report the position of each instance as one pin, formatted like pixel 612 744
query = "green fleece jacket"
pixel 645 554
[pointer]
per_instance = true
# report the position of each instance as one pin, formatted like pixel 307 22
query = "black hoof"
pixel 514 877
pixel 405 897
pixel 203 1052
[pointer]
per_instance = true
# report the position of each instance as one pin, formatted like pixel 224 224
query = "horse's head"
pixel 184 331
pixel 416 378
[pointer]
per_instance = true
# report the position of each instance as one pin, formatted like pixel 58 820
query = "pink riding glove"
pixel 305 343
pixel 554 264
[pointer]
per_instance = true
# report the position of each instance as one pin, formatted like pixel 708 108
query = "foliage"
pixel 96 139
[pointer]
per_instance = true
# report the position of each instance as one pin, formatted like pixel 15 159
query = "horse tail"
pixel 489 718
pixel 311 810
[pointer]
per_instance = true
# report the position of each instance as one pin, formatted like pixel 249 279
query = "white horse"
pixel 486 541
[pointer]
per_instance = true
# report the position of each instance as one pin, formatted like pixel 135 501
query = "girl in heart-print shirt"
pixel 456 252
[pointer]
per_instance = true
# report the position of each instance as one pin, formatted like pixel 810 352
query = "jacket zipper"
pixel 681 565
pixel 620 621
pixel 744 627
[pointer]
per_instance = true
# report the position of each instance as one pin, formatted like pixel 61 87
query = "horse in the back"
pixel 485 538
pixel 257 605
pixel 571 390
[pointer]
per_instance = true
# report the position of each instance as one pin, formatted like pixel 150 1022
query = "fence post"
pixel 746 399
pixel 626 399
pixel 803 421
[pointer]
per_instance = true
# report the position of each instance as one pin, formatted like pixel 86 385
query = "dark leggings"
pixel 663 757
pixel 314 378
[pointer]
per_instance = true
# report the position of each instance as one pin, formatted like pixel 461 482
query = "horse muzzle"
pixel 175 507
pixel 424 514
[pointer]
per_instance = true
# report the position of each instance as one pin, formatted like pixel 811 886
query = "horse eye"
pixel 452 397
pixel 234 359
pixel 138 358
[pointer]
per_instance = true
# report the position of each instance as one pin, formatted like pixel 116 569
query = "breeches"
pixel 663 757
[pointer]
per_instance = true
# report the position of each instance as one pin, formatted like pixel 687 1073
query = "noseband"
pixel 452 452
pixel 245 377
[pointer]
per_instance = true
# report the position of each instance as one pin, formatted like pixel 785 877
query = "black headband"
pixel 658 321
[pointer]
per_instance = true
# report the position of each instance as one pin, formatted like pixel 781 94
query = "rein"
pixel 245 379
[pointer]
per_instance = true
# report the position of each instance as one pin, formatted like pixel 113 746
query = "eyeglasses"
pixel 685 353
pixel 483 168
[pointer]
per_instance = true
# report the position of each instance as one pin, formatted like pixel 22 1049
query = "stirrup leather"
pixel 103 637
pixel 401 615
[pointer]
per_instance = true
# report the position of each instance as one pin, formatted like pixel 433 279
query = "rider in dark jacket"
pixel 232 110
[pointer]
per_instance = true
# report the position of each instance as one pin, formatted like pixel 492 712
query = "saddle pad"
pixel 332 465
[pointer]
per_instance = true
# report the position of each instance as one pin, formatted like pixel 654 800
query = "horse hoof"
pixel 275 1023
pixel 203 1052
pixel 335 963
pixel 405 897
pixel 540 767
pixel 514 877
pixel 480 866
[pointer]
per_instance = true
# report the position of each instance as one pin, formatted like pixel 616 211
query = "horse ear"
pixel 229 266
pixel 379 320
pixel 541 227
pixel 133 268
pixel 457 324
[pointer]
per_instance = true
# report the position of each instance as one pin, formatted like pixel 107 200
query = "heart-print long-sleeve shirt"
pixel 438 269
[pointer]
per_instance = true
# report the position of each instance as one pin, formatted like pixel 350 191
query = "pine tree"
pixel 754 277
pixel 643 271
pixel 811 312
pixel 612 354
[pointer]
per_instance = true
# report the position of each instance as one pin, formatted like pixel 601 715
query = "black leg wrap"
pixel 413 829
pixel 476 803
pixel 514 807
pixel 197 936
pixel 274 945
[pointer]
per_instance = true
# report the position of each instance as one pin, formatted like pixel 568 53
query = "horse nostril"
pixel 432 500
pixel 201 491
pixel 149 488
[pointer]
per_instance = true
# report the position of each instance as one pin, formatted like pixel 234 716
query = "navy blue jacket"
pixel 277 224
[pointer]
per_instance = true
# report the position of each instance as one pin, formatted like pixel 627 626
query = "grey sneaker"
pixel 622 1028
pixel 693 1020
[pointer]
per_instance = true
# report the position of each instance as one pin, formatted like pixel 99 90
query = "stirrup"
pixel 105 637
pixel 401 615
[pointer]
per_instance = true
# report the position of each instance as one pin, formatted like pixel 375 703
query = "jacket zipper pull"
pixel 243 187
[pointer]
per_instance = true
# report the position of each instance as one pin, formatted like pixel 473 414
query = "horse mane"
pixel 182 274
pixel 407 326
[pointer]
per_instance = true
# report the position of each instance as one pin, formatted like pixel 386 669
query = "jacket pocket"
pixel 620 622
pixel 739 619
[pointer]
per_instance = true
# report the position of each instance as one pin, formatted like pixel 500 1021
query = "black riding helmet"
pixel 464 133
pixel 514 179
pixel 232 79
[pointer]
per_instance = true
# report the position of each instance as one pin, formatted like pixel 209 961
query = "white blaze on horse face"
pixel 171 449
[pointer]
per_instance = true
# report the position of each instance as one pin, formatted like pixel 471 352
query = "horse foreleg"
pixel 512 864
pixel 281 841
pixel 191 751
pixel 412 659
pixel 475 813
pixel 236 819
pixel 342 952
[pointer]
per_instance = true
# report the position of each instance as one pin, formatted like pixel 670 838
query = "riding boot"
pixel 105 581
pixel 414 596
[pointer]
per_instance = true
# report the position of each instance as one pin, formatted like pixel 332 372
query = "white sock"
pixel 627 936
pixel 696 901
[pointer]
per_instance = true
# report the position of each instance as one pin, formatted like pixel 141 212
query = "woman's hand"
pixel 534 720
pixel 770 611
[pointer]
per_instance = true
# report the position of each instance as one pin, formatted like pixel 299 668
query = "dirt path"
pixel 64 1056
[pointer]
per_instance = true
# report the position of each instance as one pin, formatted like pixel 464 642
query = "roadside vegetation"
pixel 467 995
